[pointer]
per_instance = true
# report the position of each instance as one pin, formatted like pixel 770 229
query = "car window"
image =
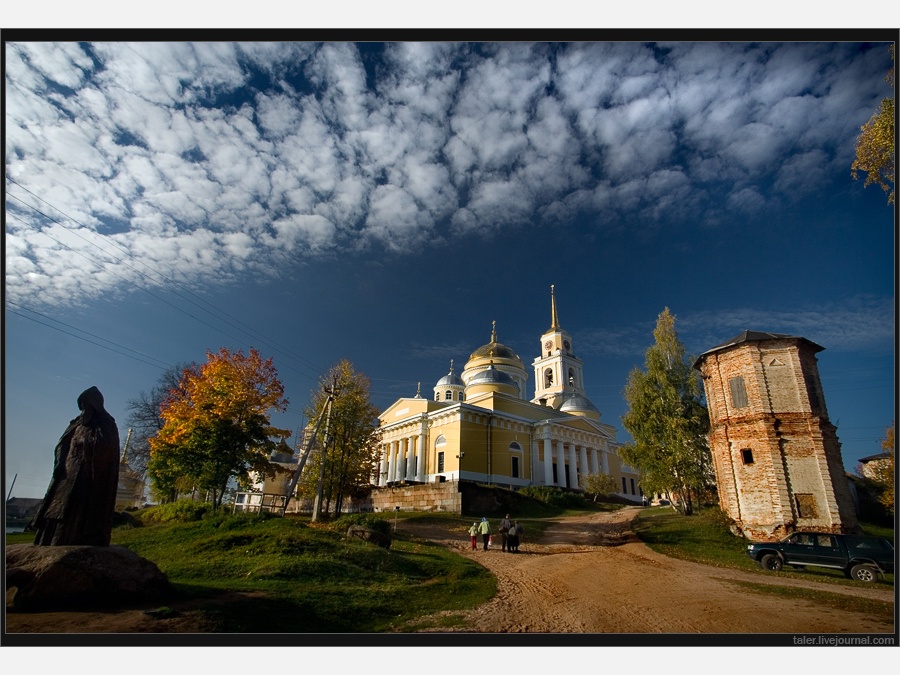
pixel 826 541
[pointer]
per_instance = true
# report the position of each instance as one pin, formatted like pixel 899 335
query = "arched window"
pixel 437 396
pixel 449 395
pixel 462 396
pixel 571 377
pixel 548 378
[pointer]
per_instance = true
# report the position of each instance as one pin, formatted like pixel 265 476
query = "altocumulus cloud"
pixel 210 159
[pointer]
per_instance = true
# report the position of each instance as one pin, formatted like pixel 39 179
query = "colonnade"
pixel 588 459
pixel 402 459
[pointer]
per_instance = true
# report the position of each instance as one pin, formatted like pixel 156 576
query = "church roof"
pixel 492 376
pixel 450 379
pixel 577 403
pixel 494 349
pixel 753 336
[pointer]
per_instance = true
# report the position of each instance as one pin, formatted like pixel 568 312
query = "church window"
pixel 449 395
pixel 462 396
pixel 624 486
pixel 632 486
pixel 548 378
pixel 437 396
pixel 571 377
pixel 738 392
pixel 747 456
pixel 440 462
pixel 515 467
pixel 555 474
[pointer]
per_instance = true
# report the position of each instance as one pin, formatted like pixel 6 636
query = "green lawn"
pixel 704 537
pixel 311 579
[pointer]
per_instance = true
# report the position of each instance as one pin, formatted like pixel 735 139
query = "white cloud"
pixel 216 156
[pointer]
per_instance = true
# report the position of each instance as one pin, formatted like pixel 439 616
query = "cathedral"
pixel 481 426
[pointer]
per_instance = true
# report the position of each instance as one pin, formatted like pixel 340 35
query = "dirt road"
pixel 590 574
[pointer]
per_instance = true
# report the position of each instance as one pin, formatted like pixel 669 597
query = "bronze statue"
pixel 81 499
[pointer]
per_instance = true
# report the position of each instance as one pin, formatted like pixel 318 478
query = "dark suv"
pixel 860 558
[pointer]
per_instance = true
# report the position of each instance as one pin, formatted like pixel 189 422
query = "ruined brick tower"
pixel 776 454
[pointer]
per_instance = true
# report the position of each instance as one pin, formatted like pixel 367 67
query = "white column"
pixel 573 464
pixel 561 463
pixel 398 465
pixel 410 458
pixel 548 462
pixel 604 461
pixel 420 455
pixel 583 461
pixel 595 462
pixel 392 461
pixel 383 466
pixel 535 461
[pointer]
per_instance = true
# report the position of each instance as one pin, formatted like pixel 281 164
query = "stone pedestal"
pixel 58 577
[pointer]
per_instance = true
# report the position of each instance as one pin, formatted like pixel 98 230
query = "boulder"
pixel 369 535
pixel 58 577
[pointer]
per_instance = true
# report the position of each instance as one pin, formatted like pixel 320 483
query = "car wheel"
pixel 865 573
pixel 771 562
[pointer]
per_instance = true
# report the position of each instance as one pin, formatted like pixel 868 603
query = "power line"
pixel 130 356
pixel 165 282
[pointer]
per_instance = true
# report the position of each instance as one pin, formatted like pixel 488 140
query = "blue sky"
pixel 385 203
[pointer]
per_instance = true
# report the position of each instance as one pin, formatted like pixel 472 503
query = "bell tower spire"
pixel 554 324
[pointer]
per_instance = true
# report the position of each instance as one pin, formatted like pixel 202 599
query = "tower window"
pixel 738 392
pixel 571 378
pixel 806 506
pixel 462 396
pixel 747 456
pixel 548 378
pixel 449 395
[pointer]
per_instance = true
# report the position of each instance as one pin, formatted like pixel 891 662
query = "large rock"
pixel 369 535
pixel 56 577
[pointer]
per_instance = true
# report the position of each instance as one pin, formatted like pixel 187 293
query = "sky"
pixel 386 202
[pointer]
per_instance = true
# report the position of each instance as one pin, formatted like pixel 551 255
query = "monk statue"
pixel 80 502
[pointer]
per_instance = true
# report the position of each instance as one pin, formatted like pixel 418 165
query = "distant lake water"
pixel 14 529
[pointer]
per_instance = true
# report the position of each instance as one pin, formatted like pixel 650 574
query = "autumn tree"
pixel 883 471
pixel 598 484
pixel 875 145
pixel 667 420
pixel 216 424
pixel 352 452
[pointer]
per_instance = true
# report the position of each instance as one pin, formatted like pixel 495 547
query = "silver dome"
pixel 493 376
pixel 578 403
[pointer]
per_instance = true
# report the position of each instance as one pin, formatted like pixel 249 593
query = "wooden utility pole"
pixel 317 504
pixel 310 443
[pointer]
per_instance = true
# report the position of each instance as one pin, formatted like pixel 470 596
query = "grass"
pixel 704 537
pixel 304 578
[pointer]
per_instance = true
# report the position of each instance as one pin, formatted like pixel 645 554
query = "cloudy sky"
pixel 385 203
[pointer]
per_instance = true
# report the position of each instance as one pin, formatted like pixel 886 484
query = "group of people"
pixel 510 534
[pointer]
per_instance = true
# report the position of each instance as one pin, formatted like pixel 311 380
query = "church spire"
pixel 555 321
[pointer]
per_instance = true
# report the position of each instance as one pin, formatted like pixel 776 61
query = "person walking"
pixel 515 532
pixel 505 524
pixel 484 528
pixel 473 533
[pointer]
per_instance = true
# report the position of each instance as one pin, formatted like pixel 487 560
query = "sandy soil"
pixel 588 574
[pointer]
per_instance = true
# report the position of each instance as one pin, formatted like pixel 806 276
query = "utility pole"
pixel 310 443
pixel 317 504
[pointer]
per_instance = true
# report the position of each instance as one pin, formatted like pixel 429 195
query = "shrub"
pixel 554 496
pixel 181 511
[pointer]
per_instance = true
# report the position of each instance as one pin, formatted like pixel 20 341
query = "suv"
pixel 860 558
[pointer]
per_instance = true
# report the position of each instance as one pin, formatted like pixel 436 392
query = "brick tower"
pixel 776 454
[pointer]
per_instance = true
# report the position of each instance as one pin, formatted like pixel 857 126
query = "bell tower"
pixel 558 373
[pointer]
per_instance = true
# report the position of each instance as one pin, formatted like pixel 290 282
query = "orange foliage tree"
pixel 217 425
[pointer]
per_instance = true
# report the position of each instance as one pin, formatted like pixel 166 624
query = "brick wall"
pixel 777 457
